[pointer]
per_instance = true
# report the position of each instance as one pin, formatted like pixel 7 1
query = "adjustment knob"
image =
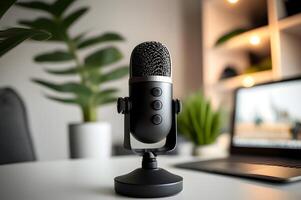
pixel 156 92
pixel 156 119
pixel 157 105
pixel 178 106
pixel 121 105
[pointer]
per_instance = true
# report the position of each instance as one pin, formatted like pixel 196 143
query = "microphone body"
pixel 150 92
pixel 151 109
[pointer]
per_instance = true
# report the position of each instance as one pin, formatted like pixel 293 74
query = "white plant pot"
pixel 204 151
pixel 90 140
pixel 217 149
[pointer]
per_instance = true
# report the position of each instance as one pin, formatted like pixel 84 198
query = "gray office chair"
pixel 15 140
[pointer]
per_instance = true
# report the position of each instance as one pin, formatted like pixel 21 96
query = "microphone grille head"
pixel 150 59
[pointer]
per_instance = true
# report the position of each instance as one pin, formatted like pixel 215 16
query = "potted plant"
pixel 11 37
pixel 200 123
pixel 90 138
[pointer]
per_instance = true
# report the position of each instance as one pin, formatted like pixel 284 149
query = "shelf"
pixel 249 8
pixel 280 39
pixel 243 41
pixel 291 24
pixel 245 80
pixel 291 21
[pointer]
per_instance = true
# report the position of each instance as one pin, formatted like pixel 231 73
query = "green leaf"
pixel 56 56
pixel 202 114
pixel 106 96
pixel 208 123
pixel 73 17
pixel 81 101
pixel 183 126
pixel 56 9
pixel 196 124
pixel 76 88
pixel 68 71
pixel 227 36
pixel 47 25
pixel 216 125
pixel 107 37
pixel 65 100
pixel 5 5
pixel 113 75
pixel 107 100
pixel 183 122
pixel 37 5
pixel 106 92
pixel 77 39
pixel 13 32
pixel 10 38
pixel 103 57
pixel 39 23
pixel 60 6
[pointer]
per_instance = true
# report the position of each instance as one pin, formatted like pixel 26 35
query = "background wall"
pixel 175 23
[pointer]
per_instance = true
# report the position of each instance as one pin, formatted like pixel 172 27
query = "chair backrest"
pixel 15 141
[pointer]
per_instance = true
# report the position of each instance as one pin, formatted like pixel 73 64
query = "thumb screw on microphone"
pixel 123 105
pixel 178 106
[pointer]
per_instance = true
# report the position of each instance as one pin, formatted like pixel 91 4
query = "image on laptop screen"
pixel 269 116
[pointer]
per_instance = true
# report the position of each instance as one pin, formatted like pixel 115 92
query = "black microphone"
pixel 150 116
pixel 150 89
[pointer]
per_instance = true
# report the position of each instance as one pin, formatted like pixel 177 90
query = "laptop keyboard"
pixel 267 161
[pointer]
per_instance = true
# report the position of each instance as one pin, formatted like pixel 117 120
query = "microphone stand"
pixel 149 161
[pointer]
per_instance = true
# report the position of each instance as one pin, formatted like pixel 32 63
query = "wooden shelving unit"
pixel 245 80
pixel 242 41
pixel 280 39
pixel 292 22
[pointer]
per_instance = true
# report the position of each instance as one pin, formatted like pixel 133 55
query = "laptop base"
pixel 237 166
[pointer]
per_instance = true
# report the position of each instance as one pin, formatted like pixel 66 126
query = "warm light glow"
pixel 232 1
pixel 248 81
pixel 255 40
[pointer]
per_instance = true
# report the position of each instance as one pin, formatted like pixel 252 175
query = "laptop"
pixel 265 134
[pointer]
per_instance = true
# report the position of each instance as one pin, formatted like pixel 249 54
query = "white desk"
pixel 93 180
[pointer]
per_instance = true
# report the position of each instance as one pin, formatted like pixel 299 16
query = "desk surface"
pixel 93 180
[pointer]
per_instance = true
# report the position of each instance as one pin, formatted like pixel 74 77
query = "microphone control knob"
pixel 156 92
pixel 123 105
pixel 157 105
pixel 178 106
pixel 156 119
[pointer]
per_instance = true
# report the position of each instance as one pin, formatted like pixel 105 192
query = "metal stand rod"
pixel 149 161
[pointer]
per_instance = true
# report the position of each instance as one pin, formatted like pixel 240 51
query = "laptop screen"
pixel 268 116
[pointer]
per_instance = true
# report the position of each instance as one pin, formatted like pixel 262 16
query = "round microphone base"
pixel 148 183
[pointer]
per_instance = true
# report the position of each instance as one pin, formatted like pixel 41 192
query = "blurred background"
pixel 215 45
pixel 177 24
